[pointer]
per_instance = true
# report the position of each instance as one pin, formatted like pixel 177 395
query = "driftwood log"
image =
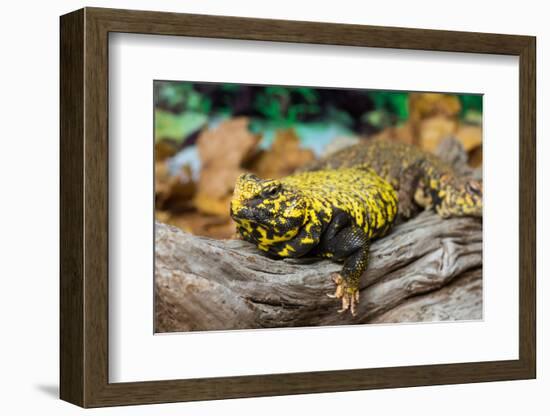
pixel 206 284
pixel 426 269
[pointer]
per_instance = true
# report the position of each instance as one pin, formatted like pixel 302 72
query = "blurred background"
pixel 207 134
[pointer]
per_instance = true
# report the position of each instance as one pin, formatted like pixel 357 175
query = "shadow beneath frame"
pixel 51 390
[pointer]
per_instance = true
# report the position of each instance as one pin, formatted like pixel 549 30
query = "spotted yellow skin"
pixel 420 178
pixel 326 213
pixel 310 199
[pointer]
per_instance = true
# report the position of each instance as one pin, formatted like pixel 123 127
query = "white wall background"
pixel 29 159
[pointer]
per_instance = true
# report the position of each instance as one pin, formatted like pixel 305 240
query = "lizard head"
pixel 460 197
pixel 267 211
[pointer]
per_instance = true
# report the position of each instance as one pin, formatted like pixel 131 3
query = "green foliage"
pixel 182 95
pixel 471 103
pixel 186 106
pixel 471 108
pixel 338 116
pixel 285 106
pixel 391 106
pixel 177 127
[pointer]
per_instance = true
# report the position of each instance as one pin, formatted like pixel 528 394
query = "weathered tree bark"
pixel 425 269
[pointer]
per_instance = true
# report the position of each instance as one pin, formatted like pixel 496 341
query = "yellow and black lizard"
pixel 420 178
pixel 338 205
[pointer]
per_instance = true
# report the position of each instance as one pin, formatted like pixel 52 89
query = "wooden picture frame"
pixel 84 207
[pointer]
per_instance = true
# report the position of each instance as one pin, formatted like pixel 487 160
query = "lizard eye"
pixel 271 191
pixel 473 187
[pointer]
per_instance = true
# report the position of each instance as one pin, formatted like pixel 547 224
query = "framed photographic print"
pixel 255 207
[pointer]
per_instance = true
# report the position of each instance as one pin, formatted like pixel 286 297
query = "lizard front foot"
pixel 348 294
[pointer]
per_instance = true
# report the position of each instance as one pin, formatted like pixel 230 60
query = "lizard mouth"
pixel 244 212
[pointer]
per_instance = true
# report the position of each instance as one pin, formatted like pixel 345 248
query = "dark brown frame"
pixel 84 208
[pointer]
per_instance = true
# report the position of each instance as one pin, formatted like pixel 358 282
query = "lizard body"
pixel 336 206
pixel 327 213
pixel 420 178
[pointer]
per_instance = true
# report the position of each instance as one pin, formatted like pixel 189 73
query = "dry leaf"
pixel 283 158
pixel 209 205
pixel 403 133
pixel 230 144
pixel 164 149
pixel 433 130
pixel 222 150
pixel 470 136
pixel 205 225
pixel 173 192
pixel 475 157
pixel 425 105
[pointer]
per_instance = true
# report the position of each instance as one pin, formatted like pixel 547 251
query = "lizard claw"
pixel 339 293
pixel 349 296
